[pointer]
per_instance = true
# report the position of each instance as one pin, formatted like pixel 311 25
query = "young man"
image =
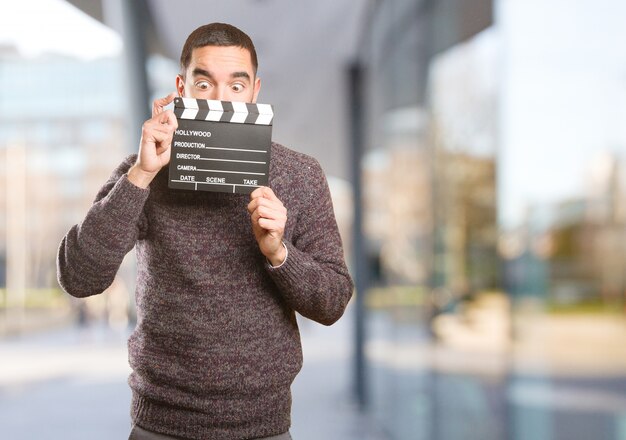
pixel 220 276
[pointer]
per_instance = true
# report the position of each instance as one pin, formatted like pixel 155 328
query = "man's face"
pixel 223 73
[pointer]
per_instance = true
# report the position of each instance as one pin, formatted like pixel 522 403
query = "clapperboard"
pixel 220 146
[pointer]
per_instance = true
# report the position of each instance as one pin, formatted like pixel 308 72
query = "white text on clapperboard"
pixel 198 133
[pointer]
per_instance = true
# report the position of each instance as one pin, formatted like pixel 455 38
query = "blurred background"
pixel 476 152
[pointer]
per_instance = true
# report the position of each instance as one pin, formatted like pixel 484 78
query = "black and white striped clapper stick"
pixel 220 146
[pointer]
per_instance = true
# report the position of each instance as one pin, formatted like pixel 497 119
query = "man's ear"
pixel 257 88
pixel 180 85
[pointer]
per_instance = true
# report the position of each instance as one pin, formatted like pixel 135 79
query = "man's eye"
pixel 237 87
pixel 202 85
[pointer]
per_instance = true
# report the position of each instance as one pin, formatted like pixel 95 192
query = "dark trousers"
pixel 138 433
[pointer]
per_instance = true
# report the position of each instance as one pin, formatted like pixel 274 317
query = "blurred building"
pixel 429 199
pixel 498 238
pixel 574 251
pixel 61 134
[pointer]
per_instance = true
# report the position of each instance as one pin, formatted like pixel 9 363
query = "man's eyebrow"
pixel 201 72
pixel 240 75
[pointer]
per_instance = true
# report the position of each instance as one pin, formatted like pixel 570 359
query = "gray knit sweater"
pixel 216 346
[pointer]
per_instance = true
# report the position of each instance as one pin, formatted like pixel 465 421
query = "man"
pixel 220 276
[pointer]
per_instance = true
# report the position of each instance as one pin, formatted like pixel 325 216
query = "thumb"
pixel 159 104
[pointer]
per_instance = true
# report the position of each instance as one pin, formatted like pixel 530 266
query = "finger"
pixel 253 205
pixel 261 201
pixel 268 212
pixel 167 118
pixel 171 117
pixel 161 126
pixel 271 225
pixel 162 147
pixel 160 135
pixel 268 193
pixel 263 191
pixel 272 203
pixel 158 104
pixel 157 125
pixel 255 218
pixel 265 213
pixel 256 193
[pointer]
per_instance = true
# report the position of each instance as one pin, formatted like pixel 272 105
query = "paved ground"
pixel 71 384
pixel 323 407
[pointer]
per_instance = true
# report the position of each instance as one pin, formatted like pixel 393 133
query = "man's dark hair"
pixel 216 34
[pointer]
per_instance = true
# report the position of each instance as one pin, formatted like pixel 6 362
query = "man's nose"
pixel 219 94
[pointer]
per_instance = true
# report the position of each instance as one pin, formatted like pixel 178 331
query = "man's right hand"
pixel 155 145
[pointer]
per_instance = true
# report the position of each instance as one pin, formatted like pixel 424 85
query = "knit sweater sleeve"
pixel 92 251
pixel 314 279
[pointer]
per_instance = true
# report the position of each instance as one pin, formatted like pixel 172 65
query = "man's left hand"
pixel 269 217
